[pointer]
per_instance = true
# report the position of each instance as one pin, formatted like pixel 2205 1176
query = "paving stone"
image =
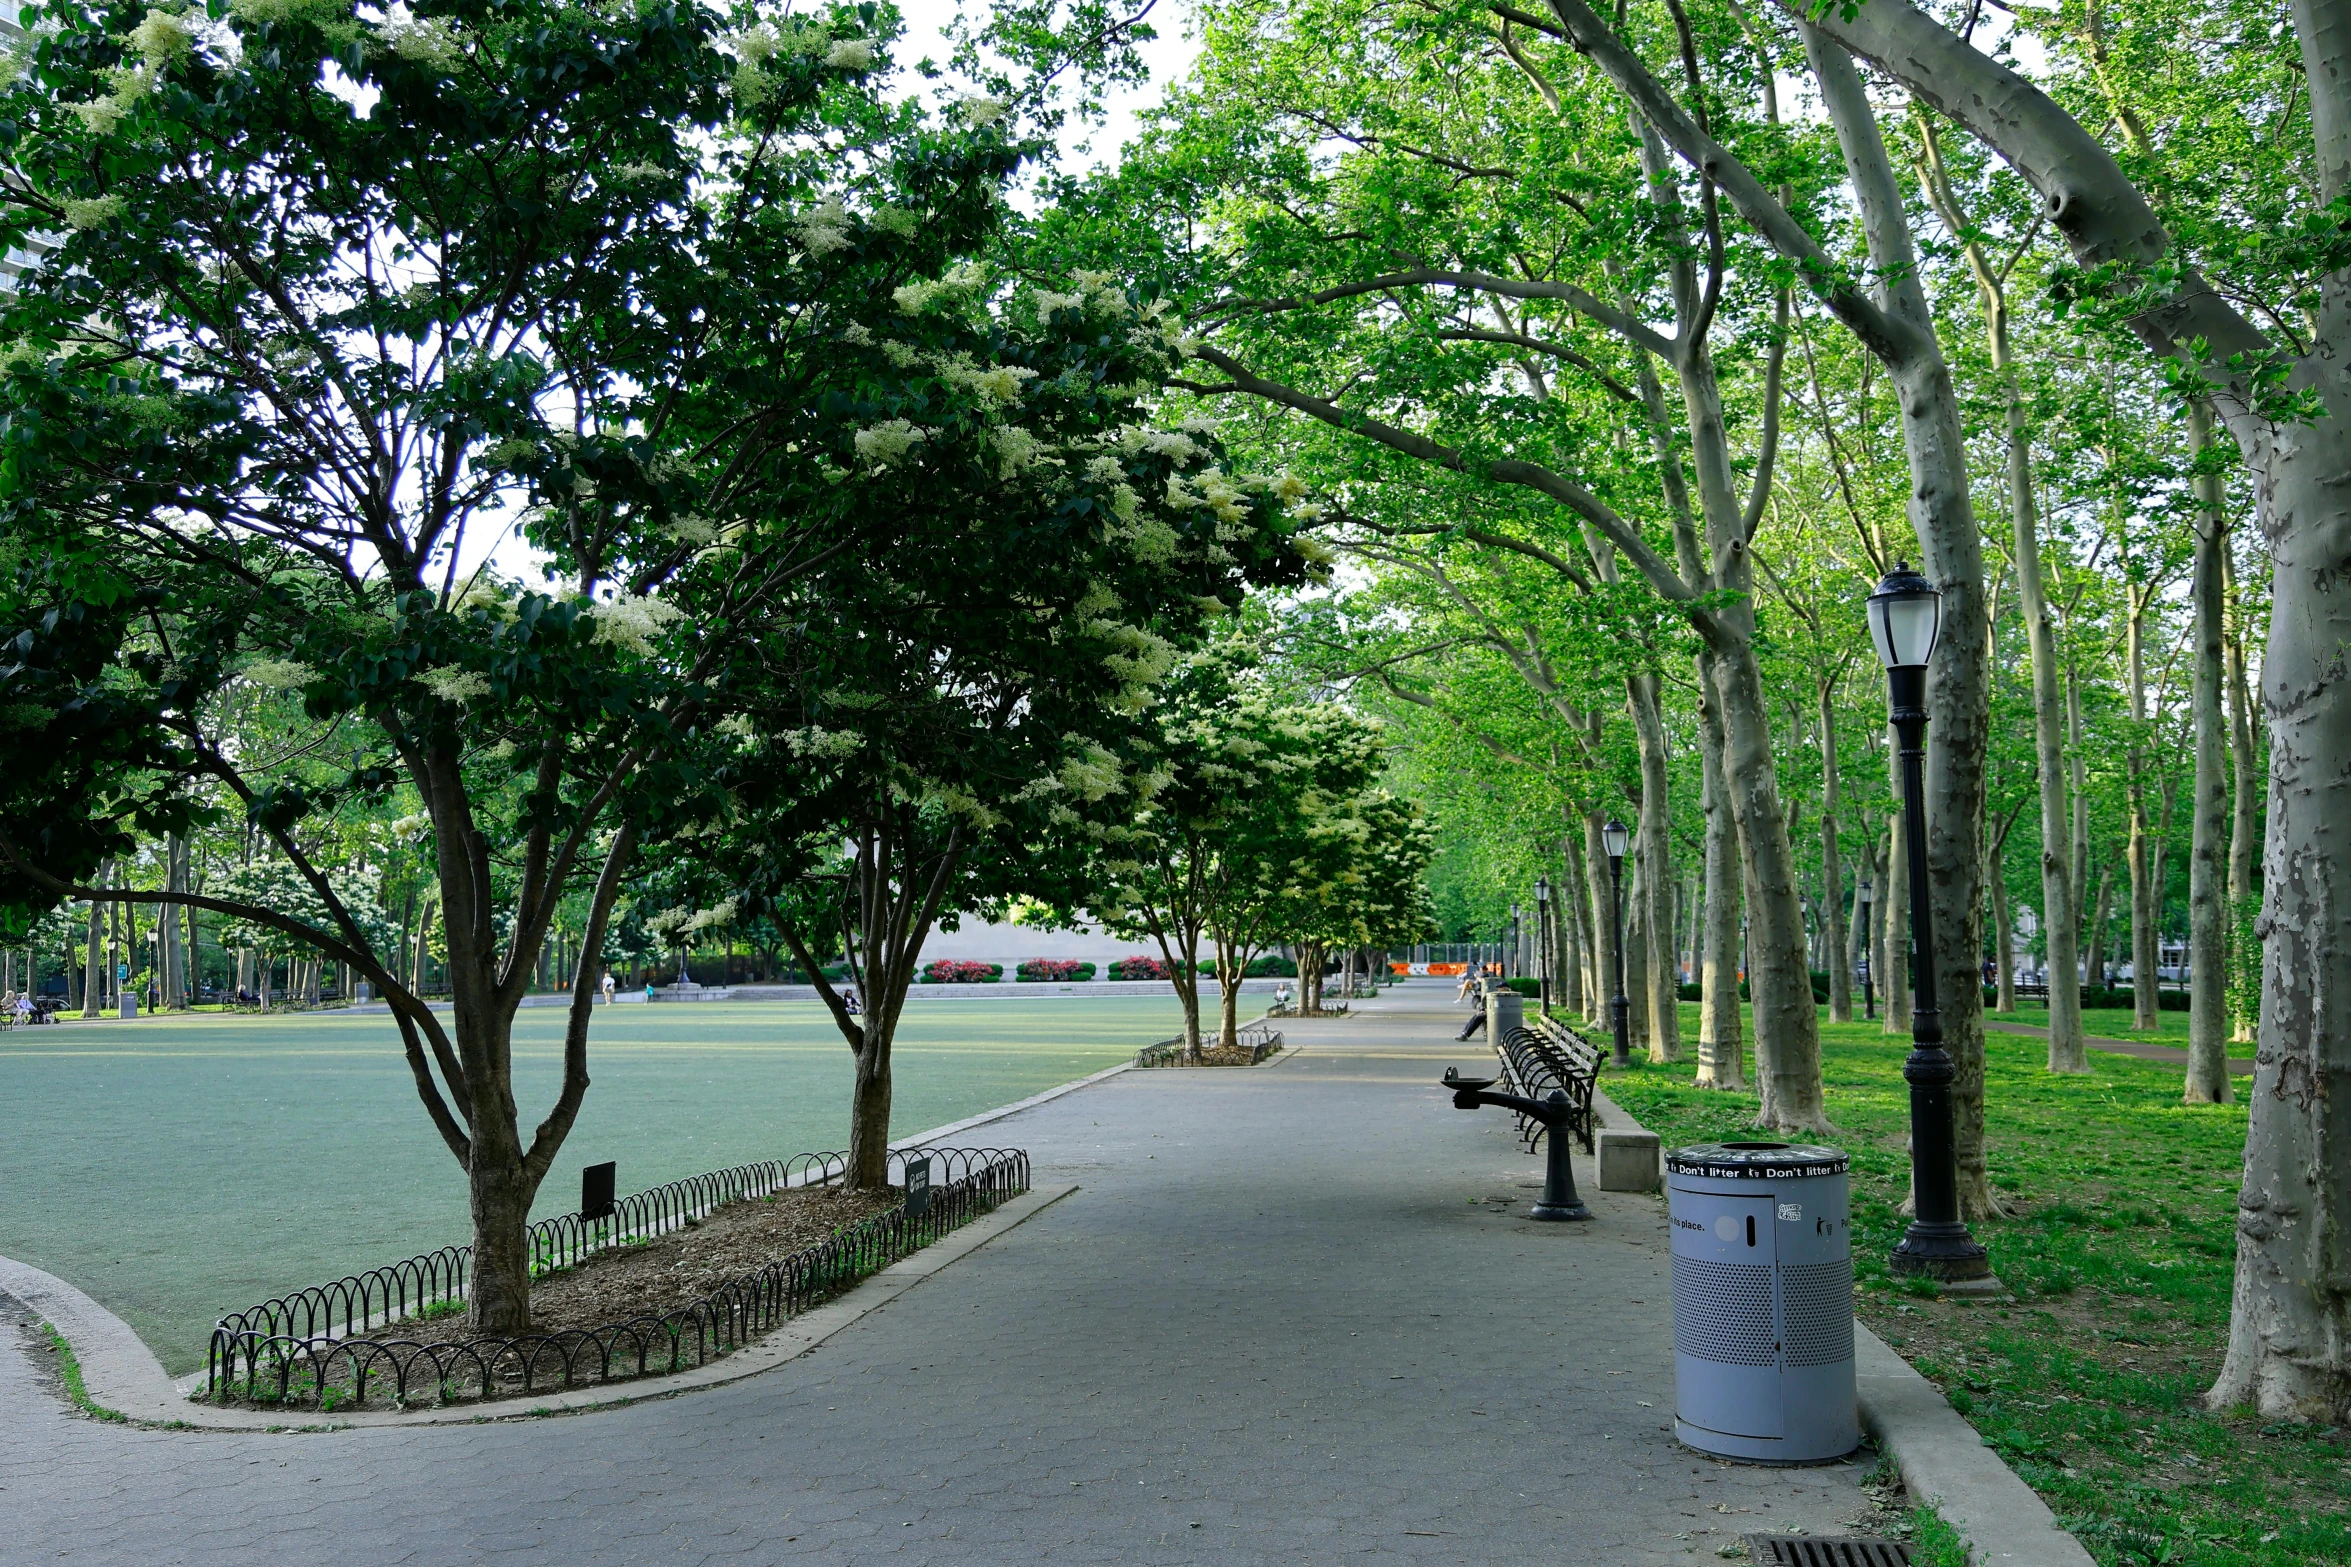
pixel 1279 1301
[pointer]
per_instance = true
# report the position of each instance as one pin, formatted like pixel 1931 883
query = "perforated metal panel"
pixel 1722 1312
pixel 1805 1550
pixel 1817 1300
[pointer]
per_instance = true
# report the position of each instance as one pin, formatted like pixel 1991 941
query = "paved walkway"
pixel 1292 1316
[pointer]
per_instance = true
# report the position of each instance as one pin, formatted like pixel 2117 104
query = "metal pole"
pixel 1619 1009
pixel 1938 1243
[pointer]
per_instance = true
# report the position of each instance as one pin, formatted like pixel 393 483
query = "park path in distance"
pixel 1283 1320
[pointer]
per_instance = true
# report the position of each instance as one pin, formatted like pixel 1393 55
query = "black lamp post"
pixel 1543 943
pixel 1615 839
pixel 1905 615
pixel 1511 961
pixel 1869 993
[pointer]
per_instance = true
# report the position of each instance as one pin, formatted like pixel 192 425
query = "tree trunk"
pixel 2208 1066
pixel 2138 854
pixel 94 979
pixel 1637 948
pixel 2289 1348
pixel 2003 931
pixel 1661 1005
pixel 1832 883
pixel 1719 1033
pixel 2243 825
pixel 2100 948
pixel 2078 768
pixel 1959 684
pixel 1229 963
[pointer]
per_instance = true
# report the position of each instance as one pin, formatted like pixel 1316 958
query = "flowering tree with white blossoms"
pixel 332 300
pixel 941 730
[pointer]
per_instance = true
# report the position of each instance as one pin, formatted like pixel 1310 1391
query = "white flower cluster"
pixel 824 745
pixel 163 40
pixel 896 220
pixel 455 685
pixel 91 212
pixel 851 54
pixel 980 111
pixel 885 444
pixel 425 40
pixel 722 913
pixel 630 621
pixel 824 228
pixel 280 674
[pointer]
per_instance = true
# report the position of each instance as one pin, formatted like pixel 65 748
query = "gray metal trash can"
pixel 1762 1301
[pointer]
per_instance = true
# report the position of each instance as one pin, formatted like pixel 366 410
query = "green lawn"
pixel 176 1168
pixel 2120 1251
pixel 2171 1028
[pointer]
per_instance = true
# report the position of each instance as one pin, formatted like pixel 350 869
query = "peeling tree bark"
pixel 1720 1047
pixel 2290 1328
pixel 2208 1065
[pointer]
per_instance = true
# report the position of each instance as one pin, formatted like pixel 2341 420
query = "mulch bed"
pixel 1219 1055
pixel 655 1277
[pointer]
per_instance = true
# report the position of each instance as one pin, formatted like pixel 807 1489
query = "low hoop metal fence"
pixel 1260 1039
pixel 289 1350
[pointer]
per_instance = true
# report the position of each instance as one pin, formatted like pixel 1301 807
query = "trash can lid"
pixel 1756 1161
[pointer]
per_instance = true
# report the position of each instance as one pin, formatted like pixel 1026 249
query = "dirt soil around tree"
pixel 654 1277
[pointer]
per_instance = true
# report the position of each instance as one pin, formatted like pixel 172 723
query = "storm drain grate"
pixel 1812 1550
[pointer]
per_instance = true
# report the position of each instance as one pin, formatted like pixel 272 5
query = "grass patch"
pixel 2121 1251
pixel 2171 1028
pixel 69 1371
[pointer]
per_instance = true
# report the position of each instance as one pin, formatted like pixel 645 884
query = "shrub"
pixel 1271 966
pixel 1055 970
pixel 947 971
pixel 1138 967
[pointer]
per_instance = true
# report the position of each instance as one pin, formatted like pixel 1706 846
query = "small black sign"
pixel 918 1184
pixel 596 1190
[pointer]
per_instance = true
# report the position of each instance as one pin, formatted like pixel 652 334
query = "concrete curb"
pixel 1947 1466
pixel 121 1374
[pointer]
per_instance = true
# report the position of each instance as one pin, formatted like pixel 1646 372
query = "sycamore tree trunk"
pixel 1720 1043
pixel 2137 855
pixel 2243 823
pixel 1661 996
pixel 94 965
pixel 2208 922
pixel 1637 948
pixel 1943 516
pixel 2289 1349
pixel 2003 931
pixel 1832 884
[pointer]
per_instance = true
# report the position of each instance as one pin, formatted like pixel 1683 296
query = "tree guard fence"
pixel 305 1348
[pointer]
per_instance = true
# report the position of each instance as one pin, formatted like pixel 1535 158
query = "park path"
pixel 1292 1316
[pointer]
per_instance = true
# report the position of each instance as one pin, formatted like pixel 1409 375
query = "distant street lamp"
pixel 1510 964
pixel 1905 615
pixel 1615 840
pixel 1869 993
pixel 1543 942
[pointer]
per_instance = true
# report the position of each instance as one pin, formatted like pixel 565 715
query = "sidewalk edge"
pixel 1946 1465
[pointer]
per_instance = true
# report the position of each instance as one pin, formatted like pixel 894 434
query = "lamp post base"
pixel 1944 1252
pixel 1552 1210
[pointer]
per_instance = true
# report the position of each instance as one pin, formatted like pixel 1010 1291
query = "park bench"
pixel 1545 1055
pixel 2035 989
